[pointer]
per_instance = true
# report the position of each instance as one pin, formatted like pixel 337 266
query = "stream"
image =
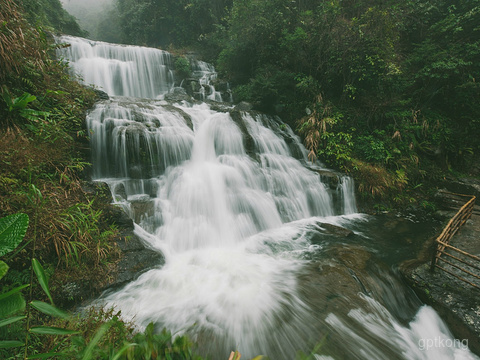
pixel 265 252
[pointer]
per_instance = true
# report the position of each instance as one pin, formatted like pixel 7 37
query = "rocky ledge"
pixel 134 257
pixel 456 301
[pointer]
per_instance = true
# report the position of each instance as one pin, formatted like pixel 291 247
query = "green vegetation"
pixel 387 91
pixel 51 14
pixel 384 90
pixel 42 151
pixel 100 335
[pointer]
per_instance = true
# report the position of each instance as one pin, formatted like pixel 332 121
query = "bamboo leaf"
pixel 91 345
pixel 12 232
pixel 50 330
pixel 5 344
pixel 13 291
pixel 11 320
pixel 42 278
pixel 49 309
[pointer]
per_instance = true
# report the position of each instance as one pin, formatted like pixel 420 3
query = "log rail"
pixel 444 252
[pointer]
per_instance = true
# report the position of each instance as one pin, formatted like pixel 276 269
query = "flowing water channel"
pixel 265 253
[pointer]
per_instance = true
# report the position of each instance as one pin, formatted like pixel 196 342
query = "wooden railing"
pixel 464 264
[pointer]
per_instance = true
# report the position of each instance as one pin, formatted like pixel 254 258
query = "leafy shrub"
pixel 183 67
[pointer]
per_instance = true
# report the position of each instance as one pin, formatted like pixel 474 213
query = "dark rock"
pixel 178 94
pixel 119 190
pixel 331 178
pixel 141 206
pixel 192 86
pixel 249 142
pixel 466 186
pixel 219 106
pixel 135 172
pixel 221 85
pixel 187 118
pixel 101 95
pixel 135 261
pixel 244 106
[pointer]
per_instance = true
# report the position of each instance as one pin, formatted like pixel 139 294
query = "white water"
pixel 119 70
pixel 236 217
pixel 206 73
pixel 426 336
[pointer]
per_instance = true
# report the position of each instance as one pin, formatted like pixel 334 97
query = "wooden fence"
pixel 468 263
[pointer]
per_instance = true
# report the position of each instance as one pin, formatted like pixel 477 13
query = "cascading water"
pixel 119 70
pixel 206 73
pixel 255 259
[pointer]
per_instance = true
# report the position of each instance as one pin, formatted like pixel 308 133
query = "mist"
pixel 98 17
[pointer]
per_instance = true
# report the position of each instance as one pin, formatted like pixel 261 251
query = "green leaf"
pixel 91 345
pixel 13 291
pixel 5 344
pixel 48 355
pixel 3 269
pixel 50 330
pixel 122 350
pixel 42 278
pixel 49 309
pixel 11 305
pixel 12 231
pixel 11 320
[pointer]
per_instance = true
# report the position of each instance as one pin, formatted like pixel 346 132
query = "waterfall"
pixel 206 73
pixel 347 191
pixel 243 220
pixel 118 70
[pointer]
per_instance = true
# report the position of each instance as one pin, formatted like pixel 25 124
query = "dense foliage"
pixel 165 22
pixel 386 90
pixel 52 14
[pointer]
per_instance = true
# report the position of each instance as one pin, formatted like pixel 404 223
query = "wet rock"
pixel 178 94
pixel 221 85
pixel 467 186
pixel 135 172
pixel 101 95
pixel 331 178
pixel 293 145
pixel 191 86
pixel 243 106
pixel 335 282
pixel 219 106
pixel 187 118
pixel 135 261
pixel 336 230
pixel 141 206
pixel 135 258
pixel 119 191
pixel 248 141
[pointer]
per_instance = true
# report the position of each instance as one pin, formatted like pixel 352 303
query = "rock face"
pixel 469 186
pixel 135 258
